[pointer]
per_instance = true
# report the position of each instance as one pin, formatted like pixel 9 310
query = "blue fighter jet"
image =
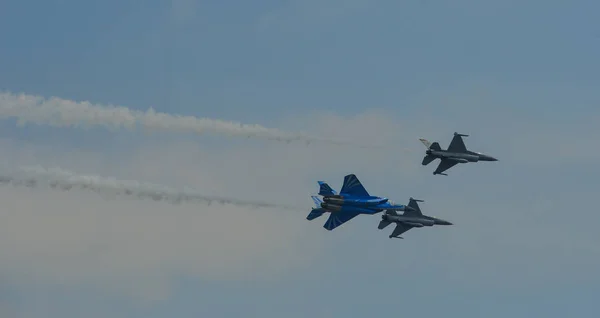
pixel 352 200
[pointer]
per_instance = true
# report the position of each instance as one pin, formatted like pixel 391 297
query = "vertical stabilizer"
pixel 316 200
pixel 425 142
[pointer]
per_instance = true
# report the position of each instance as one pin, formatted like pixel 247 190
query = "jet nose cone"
pixel 443 222
pixel 487 158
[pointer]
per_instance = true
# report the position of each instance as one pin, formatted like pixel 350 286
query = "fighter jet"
pixel 456 153
pixel 352 200
pixel 411 218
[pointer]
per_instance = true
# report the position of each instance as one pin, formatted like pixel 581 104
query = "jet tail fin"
pixel 325 190
pixel 430 145
pixel 316 200
pixel 425 142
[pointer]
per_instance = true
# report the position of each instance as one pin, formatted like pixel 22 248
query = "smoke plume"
pixel 59 112
pixel 56 178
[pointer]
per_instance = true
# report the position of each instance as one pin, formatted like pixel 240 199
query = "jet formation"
pixel 354 199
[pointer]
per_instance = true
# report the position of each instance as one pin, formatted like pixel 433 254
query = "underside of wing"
pixel 400 228
pixel 457 144
pixel 444 165
pixel 339 218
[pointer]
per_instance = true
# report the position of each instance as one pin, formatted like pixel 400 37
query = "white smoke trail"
pixel 56 178
pixel 59 112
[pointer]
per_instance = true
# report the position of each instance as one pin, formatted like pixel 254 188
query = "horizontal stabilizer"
pixel 383 224
pixel 391 212
pixel 315 213
pixel 427 160
pixel 435 146
pixel 325 190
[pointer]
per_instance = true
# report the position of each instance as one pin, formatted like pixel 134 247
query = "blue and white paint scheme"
pixel 352 200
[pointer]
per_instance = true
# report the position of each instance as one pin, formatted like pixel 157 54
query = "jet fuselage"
pixel 370 209
pixel 333 208
pixel 416 221
pixel 355 201
pixel 462 157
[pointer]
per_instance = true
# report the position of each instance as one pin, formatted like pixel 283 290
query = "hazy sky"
pixel 521 77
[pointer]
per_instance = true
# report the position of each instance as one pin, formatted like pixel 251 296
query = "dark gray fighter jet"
pixel 456 153
pixel 409 219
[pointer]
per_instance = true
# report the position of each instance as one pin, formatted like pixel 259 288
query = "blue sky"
pixel 520 77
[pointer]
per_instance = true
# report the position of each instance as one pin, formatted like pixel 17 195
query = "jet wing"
pixel 338 218
pixel 444 165
pixel 457 144
pixel 352 186
pixel 400 228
